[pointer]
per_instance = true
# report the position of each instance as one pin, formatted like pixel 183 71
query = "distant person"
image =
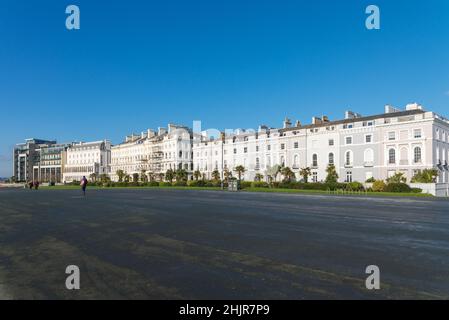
pixel 31 184
pixel 36 185
pixel 84 185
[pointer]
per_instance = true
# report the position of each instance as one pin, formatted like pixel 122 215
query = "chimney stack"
pixel 287 123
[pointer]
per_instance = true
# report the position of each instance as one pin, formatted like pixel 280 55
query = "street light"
pixel 222 135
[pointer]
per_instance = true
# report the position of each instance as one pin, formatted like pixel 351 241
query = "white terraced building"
pixel 360 147
pixel 86 158
pixel 153 152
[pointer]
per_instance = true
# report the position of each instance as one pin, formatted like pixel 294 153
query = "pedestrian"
pixel 31 184
pixel 83 185
pixel 36 185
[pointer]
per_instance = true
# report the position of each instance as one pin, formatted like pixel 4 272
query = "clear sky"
pixel 135 65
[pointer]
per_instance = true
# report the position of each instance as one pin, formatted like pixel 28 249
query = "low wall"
pixel 435 189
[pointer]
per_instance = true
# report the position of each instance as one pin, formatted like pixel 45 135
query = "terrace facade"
pixel 360 147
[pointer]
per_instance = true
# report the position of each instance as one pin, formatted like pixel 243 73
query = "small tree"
pixel 181 175
pixel 197 174
pixel 288 174
pixel 227 174
pixel 398 177
pixel 240 170
pixel 135 177
pixel 305 174
pixel 216 175
pixel 143 176
pixel 161 176
pixel 151 176
pixel 272 172
pixel 120 174
pixel 258 177
pixel 126 177
pixel 169 175
pixel 332 175
pixel 93 177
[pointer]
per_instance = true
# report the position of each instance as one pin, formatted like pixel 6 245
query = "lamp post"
pixel 222 134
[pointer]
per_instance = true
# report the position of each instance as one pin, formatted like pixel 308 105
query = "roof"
pixel 352 120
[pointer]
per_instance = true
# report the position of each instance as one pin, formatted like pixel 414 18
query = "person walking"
pixel 84 185
pixel 36 185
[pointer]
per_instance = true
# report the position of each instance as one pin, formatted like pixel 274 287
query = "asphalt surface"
pixel 181 244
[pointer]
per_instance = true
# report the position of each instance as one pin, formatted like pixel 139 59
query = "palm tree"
pixel 288 174
pixel 120 174
pixel 272 172
pixel 332 175
pixel 197 174
pixel 104 178
pixel 169 175
pixel 93 177
pixel 143 175
pixel 151 176
pixel 126 177
pixel 305 173
pixel 161 176
pixel 181 175
pixel 258 177
pixel 227 174
pixel 216 175
pixel 240 170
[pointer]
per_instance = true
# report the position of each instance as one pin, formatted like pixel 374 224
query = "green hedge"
pixel 397 187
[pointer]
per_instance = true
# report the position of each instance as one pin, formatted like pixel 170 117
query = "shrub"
pixel 398 187
pixel 416 190
pixel 165 184
pixel 425 176
pixel 195 183
pixel 355 186
pixel 245 184
pixel 153 184
pixel 398 177
pixel 370 180
pixel 379 186
pixel 121 184
pixel 258 184
pixel 180 184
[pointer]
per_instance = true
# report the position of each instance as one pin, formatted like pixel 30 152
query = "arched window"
pixel 348 158
pixel 391 156
pixel 369 155
pixel 315 160
pixel 417 155
pixel 331 158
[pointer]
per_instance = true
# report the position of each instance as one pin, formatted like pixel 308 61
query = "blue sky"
pixel 141 64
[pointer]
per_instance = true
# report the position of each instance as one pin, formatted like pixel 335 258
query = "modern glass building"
pixel 25 156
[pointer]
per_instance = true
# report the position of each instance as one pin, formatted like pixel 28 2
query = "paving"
pixel 184 244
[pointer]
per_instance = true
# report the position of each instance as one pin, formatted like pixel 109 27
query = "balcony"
pixel 349 165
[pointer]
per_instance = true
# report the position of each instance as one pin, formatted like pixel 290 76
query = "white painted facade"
pixel 153 152
pixel 86 158
pixel 360 147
